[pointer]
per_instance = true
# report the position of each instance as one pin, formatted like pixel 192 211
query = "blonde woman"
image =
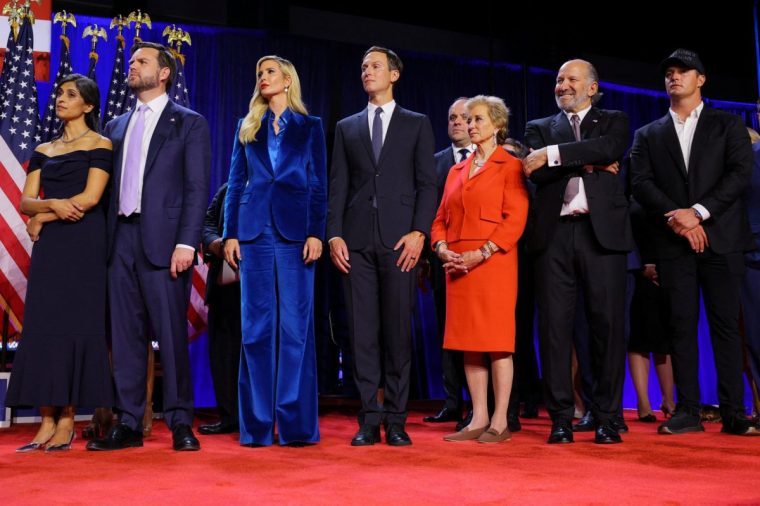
pixel 274 214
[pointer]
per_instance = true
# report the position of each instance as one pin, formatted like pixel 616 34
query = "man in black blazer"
pixel 581 233
pixel 224 333
pixel 452 361
pixel 382 203
pixel 689 171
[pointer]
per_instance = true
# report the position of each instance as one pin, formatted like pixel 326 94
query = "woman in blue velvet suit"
pixel 274 214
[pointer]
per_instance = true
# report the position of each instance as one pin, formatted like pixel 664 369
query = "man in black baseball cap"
pixel 683 58
pixel 689 171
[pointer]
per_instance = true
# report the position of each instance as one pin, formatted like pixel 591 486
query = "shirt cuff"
pixel 552 156
pixel 331 239
pixel 185 246
pixel 702 210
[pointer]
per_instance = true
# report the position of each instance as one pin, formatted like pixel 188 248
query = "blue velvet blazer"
pixel 294 192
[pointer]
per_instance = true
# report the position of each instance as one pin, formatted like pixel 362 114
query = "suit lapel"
pixel 590 123
pixel 166 122
pixel 260 147
pixel 668 132
pixel 362 125
pixel 561 128
pixel 119 133
pixel 701 140
pixel 392 133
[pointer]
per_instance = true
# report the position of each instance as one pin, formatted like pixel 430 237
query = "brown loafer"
pixel 465 435
pixel 491 436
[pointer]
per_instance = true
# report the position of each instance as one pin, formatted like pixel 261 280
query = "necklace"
pixel 75 138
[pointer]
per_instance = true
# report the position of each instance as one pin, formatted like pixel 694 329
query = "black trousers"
pixel 379 299
pixel 575 259
pixel 719 277
pixel 224 336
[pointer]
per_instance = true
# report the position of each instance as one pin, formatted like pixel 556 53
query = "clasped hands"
pixel 459 263
pixel 686 224
pixel 537 158
pixel 64 209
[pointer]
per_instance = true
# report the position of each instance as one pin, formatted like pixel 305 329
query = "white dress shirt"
pixel 579 204
pixel 385 116
pixel 685 132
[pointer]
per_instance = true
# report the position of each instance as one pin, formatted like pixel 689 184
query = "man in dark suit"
pixel 381 205
pixel 224 333
pixel 689 171
pixel 158 199
pixel 452 361
pixel 581 233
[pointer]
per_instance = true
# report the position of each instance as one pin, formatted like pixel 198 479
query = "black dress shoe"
pixel 183 439
pixel 561 433
pixel 218 428
pixel 395 435
pixel 607 434
pixel 586 424
pixel 619 424
pixel 444 415
pixel 465 421
pixel 367 435
pixel 118 438
pixel 681 423
pixel 513 422
pixel 740 427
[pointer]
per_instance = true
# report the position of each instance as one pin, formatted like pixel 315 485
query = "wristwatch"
pixel 698 214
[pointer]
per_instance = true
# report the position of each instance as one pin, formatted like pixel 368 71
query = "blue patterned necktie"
pixel 377 134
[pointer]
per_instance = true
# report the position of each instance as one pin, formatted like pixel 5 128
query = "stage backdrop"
pixel 220 69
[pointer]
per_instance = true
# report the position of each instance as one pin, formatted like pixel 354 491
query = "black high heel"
pixel 63 447
pixel 34 445
pixel 667 412
pixel 648 418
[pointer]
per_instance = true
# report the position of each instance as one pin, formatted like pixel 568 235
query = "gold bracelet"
pixel 439 244
pixel 485 252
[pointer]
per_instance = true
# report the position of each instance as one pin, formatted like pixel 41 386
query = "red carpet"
pixel 708 468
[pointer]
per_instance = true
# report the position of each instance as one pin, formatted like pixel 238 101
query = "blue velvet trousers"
pixel 278 371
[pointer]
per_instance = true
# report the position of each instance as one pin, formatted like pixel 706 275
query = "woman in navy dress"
pixel 62 359
pixel 275 213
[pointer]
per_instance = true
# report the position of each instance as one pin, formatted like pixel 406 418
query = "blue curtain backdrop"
pixel 220 68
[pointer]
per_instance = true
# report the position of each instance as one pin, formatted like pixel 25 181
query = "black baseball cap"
pixel 683 58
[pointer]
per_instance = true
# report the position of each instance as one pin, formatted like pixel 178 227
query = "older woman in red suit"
pixel 475 232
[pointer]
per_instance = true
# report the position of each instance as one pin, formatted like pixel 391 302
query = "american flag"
pixel 50 122
pixel 118 93
pixel 178 92
pixel 18 138
pixel 197 312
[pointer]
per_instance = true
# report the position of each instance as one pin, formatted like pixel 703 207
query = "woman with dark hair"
pixel 62 360
pixel 274 214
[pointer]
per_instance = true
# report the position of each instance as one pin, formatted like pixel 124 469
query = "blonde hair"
pixel 498 112
pixel 753 135
pixel 259 105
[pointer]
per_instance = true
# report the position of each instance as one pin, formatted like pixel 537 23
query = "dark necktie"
pixel 463 154
pixel 377 134
pixel 573 186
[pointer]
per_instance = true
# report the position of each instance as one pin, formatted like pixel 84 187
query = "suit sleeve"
pixel 197 166
pixel 603 150
pixel 211 220
pixel 425 179
pixel 235 185
pixel 737 170
pixel 643 185
pixel 317 182
pixel 514 209
pixel 338 189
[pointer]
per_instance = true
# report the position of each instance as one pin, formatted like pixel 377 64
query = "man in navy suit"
pixel 381 205
pixel 158 200
pixel 452 361
pixel 580 235
pixel 689 171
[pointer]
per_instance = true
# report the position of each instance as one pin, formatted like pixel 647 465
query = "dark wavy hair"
pixel 88 89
